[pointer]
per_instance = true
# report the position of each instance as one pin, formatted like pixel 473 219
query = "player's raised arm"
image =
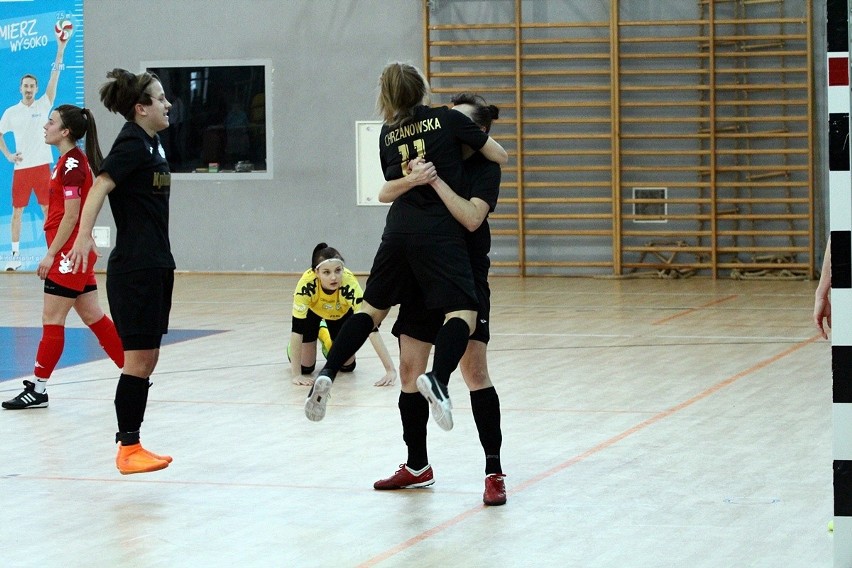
pixel 56 68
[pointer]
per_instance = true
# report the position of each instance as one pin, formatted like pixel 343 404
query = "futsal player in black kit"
pixel 416 328
pixel 140 270
pixel 423 247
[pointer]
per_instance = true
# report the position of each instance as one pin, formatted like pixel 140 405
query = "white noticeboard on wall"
pixel 368 168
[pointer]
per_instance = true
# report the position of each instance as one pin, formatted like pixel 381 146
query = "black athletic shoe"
pixel 439 400
pixel 27 399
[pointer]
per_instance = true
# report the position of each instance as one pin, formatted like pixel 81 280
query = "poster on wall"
pixel 41 55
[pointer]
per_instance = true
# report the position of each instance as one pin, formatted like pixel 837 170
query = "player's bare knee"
pixel 408 374
pixel 88 314
pixel 475 377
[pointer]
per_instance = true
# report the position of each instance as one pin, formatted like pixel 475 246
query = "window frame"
pixel 254 175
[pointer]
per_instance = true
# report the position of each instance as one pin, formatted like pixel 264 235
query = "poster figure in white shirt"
pixel 31 156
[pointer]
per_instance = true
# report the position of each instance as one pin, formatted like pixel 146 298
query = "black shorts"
pixel 309 326
pixel 435 266
pixel 54 289
pixel 140 302
pixel 414 320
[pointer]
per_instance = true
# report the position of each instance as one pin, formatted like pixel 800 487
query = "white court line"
pixel 633 335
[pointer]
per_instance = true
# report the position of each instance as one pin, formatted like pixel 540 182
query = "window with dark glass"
pixel 217 121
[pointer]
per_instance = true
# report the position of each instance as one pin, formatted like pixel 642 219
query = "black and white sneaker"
pixel 439 399
pixel 27 399
pixel 318 398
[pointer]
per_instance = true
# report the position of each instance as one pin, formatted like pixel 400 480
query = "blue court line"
pixel 18 347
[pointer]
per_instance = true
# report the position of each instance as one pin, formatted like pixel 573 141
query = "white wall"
pixel 327 57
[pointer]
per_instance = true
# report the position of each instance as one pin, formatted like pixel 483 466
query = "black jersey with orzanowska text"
pixel 139 202
pixel 435 134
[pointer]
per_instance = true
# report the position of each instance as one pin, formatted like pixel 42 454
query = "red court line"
pixel 591 451
pixel 692 310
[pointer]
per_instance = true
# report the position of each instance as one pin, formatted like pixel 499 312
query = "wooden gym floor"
pixel 646 423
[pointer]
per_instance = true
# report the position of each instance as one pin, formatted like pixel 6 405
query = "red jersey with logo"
pixel 71 179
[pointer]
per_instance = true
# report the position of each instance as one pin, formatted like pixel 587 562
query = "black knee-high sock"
pixel 414 412
pixel 485 405
pixel 450 345
pixel 352 336
pixel 131 399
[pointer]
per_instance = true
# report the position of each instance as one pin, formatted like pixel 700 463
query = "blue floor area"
pixel 18 347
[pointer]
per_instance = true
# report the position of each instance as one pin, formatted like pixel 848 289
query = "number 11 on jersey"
pixel 404 152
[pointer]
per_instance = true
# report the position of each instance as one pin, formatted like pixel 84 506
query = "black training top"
pixel 139 202
pixel 484 182
pixel 437 135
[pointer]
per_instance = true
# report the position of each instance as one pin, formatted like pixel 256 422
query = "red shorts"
pixel 35 179
pixel 60 273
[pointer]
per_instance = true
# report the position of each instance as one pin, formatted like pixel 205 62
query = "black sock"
pixel 485 405
pixel 450 345
pixel 414 412
pixel 131 398
pixel 352 336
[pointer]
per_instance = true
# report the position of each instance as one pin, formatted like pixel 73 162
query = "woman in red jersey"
pixel 69 186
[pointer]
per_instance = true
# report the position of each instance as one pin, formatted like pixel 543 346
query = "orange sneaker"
pixel 135 459
pixel 158 456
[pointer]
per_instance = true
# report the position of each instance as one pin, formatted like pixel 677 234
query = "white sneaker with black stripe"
pixel 318 398
pixel 439 399
pixel 27 399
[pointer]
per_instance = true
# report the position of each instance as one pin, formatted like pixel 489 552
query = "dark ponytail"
pixel 125 90
pixel 323 252
pixel 80 123
pixel 483 114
